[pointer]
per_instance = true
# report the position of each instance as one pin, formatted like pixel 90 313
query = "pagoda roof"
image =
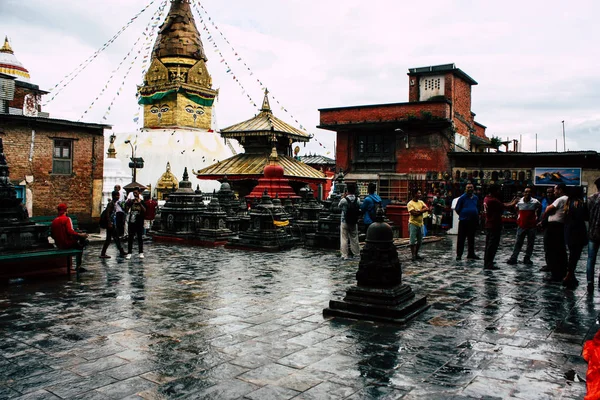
pixel 178 36
pixel 265 124
pixel 251 166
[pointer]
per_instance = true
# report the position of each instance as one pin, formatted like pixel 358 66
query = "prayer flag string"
pixel 211 38
pixel 57 89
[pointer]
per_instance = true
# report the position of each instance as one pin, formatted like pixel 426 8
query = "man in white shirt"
pixel 554 239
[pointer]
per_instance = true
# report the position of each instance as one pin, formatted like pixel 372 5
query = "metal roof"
pixel 264 124
pixel 317 159
pixel 250 166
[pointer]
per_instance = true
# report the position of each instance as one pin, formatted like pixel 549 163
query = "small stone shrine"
pixel 229 204
pixel 17 232
pixel 267 229
pixel 330 218
pixel 181 215
pixel 308 215
pixel 379 294
pixel 211 228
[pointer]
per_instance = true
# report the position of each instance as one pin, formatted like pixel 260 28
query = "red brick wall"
pixel 426 152
pixel 461 102
pixel 480 131
pixel 382 113
pixel 343 151
pixel 49 190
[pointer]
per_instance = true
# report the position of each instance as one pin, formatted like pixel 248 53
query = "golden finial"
pixel 6 48
pixel 265 105
pixel 112 153
pixel 273 157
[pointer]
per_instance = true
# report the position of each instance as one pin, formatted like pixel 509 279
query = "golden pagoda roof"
pixel 251 166
pixel 264 124
pixel 178 36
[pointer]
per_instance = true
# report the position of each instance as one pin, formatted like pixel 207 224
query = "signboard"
pixel 553 176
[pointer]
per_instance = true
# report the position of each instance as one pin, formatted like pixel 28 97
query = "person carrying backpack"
pixel 350 206
pixel 111 226
pixel 370 205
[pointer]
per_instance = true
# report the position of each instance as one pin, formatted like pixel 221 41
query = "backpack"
pixel 352 212
pixel 103 219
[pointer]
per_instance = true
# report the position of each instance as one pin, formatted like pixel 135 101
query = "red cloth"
pixel 151 206
pixel 493 209
pixel 62 232
pixel 591 354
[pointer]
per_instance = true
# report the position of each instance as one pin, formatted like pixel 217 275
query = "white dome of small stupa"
pixel 10 65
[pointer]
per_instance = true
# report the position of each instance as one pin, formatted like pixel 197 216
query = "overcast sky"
pixel 536 62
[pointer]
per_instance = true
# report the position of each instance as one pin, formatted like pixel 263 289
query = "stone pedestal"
pixel 379 294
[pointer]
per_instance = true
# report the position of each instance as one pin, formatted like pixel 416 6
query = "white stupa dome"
pixel 10 65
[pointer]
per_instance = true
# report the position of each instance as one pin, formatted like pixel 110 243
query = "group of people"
pixel 134 212
pixel 562 215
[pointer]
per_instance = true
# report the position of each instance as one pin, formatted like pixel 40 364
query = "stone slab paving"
pixel 200 323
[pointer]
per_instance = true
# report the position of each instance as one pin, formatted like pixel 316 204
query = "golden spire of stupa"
pixel 6 47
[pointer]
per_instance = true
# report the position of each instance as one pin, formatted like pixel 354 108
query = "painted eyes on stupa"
pixel 192 110
pixel 162 109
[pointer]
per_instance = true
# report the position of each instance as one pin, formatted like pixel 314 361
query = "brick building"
pixel 51 160
pixel 402 146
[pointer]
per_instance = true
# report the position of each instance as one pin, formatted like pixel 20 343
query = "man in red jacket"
pixel 65 236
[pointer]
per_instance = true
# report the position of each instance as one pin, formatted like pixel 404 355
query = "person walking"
pixel 65 237
pixel 111 226
pixel 527 216
pixel 416 208
pixel 493 210
pixel 438 204
pixel 593 206
pixel 554 239
pixel 576 214
pixel 136 209
pixel 350 206
pixel 120 211
pixel 468 217
pixel 370 204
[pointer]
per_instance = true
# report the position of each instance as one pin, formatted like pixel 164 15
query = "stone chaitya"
pixel 328 231
pixel 379 294
pixel 229 204
pixel 211 228
pixel 181 214
pixel 267 228
pixel 308 212
pixel 17 232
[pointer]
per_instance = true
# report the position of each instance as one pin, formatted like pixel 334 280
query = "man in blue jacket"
pixel 468 216
pixel 369 205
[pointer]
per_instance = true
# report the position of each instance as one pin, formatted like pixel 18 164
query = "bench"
pixel 43 255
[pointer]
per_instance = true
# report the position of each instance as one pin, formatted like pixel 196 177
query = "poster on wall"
pixel 553 176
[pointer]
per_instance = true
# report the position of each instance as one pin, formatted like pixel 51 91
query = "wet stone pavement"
pixel 224 324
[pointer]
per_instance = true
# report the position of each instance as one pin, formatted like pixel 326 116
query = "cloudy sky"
pixel 536 61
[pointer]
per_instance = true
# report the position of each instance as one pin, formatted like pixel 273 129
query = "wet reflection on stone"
pixel 190 322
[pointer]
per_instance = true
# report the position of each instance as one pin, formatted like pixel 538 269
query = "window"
pixel 62 159
pixel 375 152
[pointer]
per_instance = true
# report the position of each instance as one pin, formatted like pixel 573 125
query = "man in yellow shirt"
pixel 416 208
